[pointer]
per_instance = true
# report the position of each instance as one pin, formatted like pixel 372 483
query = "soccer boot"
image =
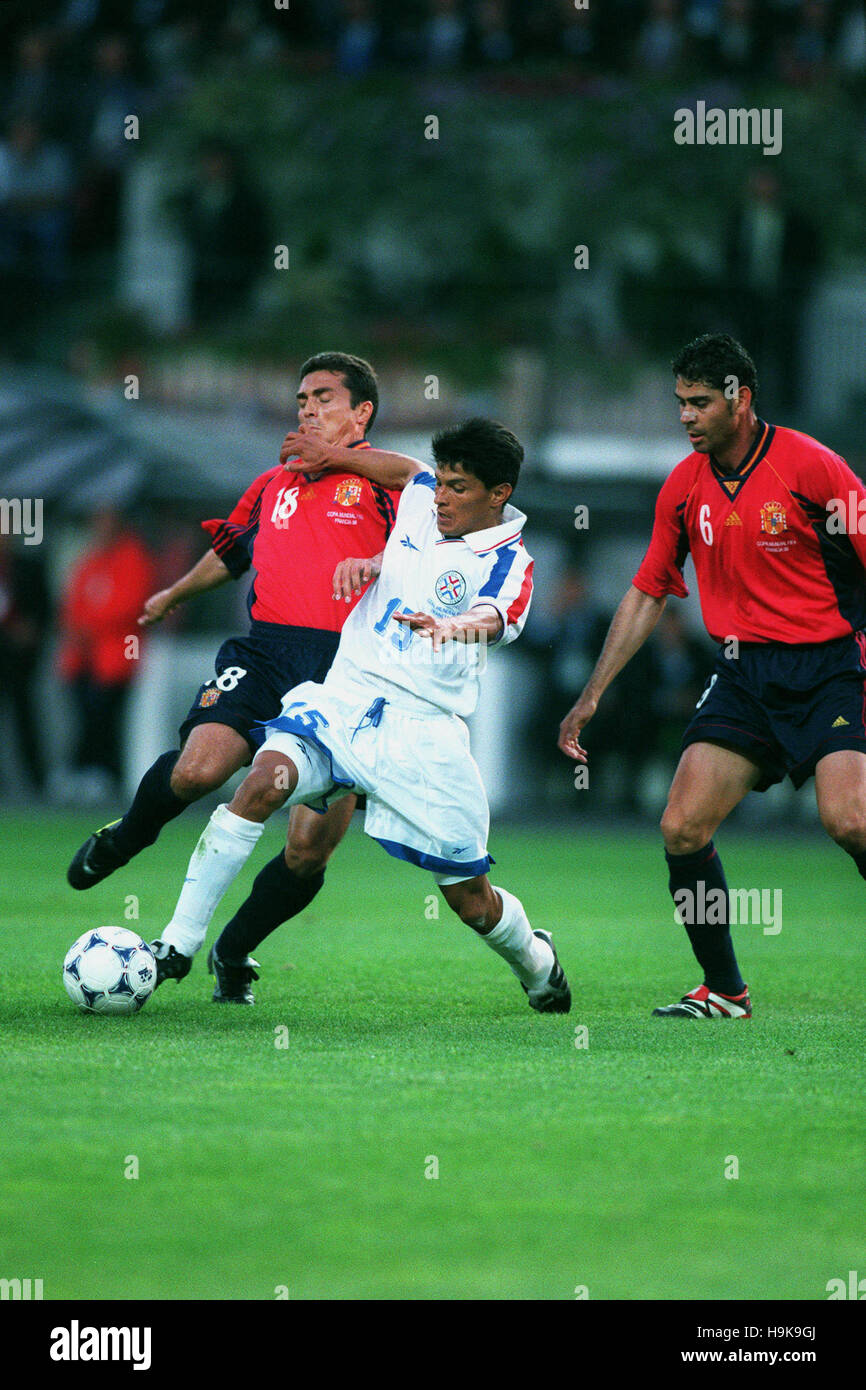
pixel 705 1003
pixel 170 964
pixel 96 859
pixel 232 982
pixel 554 997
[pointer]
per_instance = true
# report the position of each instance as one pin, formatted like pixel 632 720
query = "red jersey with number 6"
pixel 779 545
pixel 294 530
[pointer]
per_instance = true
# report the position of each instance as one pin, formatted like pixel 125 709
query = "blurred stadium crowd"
pixel 799 41
pixel 216 86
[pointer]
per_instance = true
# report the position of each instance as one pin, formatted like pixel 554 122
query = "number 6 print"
pixel 705 524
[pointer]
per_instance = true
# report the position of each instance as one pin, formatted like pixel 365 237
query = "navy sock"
pixel 704 907
pixel 276 895
pixel 860 861
pixel 153 806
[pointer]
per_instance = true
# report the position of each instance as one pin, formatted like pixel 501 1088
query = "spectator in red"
pixel 104 594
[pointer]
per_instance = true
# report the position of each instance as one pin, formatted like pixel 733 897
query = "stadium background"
pixel 150 350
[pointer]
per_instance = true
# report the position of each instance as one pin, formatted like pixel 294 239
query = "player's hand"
pixel 571 726
pixel 439 630
pixel 305 453
pixel 350 576
pixel 156 607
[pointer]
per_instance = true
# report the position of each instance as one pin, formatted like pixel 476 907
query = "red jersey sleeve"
pixel 661 570
pixel 232 539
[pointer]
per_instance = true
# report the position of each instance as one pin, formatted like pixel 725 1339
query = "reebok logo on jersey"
pixel 839 723
pixel 733 520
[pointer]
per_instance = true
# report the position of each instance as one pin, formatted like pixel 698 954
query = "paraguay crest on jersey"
pixel 450 587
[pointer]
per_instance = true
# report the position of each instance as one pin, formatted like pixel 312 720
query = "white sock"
pixel 225 846
pixel 529 956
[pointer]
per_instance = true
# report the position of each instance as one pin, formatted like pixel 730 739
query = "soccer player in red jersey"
pixel 294 530
pixel 772 520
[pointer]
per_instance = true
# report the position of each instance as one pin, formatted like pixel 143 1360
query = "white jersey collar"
pixel 492 537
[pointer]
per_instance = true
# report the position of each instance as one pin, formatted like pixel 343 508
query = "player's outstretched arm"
pixel 350 576
pixel 306 453
pixel 481 624
pixel 209 573
pixel 632 624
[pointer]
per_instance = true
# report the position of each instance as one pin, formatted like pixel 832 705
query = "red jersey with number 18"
pixel 294 530
pixel 778 551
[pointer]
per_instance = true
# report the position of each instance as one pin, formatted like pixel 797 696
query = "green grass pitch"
pixel 308 1168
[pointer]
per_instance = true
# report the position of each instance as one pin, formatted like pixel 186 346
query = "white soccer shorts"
pixel 426 802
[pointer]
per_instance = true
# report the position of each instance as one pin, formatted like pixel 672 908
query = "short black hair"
pixel 358 376
pixel 482 447
pixel 713 359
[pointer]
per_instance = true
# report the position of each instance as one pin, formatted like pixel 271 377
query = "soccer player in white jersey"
pixel 453 582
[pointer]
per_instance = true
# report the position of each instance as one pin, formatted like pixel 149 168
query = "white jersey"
pixel 422 572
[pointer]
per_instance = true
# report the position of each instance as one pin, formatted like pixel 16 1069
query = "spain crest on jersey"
pixel 773 519
pixel 349 492
pixel 209 696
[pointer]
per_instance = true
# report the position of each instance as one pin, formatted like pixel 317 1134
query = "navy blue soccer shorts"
pixel 253 674
pixel 786 706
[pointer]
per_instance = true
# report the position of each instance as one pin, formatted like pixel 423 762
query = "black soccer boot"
pixel 96 859
pixel 232 982
pixel 170 964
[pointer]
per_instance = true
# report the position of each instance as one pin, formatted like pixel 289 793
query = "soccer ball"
pixel 109 971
